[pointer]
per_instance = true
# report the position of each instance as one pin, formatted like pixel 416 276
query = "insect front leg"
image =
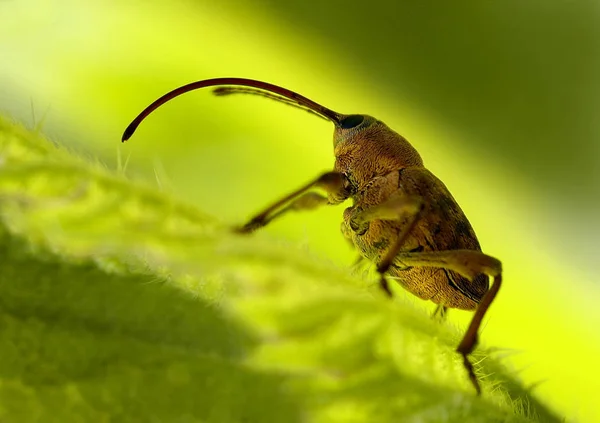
pixel 334 183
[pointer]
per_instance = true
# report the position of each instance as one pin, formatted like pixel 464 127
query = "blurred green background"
pixel 500 98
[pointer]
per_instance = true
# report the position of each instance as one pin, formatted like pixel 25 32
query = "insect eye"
pixel 351 121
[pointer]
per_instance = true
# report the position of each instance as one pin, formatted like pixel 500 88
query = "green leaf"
pixel 121 303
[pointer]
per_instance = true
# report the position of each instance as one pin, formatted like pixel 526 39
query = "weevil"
pixel 403 218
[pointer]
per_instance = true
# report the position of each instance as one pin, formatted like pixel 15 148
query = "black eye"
pixel 351 121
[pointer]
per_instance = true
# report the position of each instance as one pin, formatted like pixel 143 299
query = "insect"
pixel 403 218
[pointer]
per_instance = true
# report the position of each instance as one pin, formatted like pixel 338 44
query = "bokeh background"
pixel 500 98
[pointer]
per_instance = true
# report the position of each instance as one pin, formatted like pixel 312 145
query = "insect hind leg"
pixel 468 263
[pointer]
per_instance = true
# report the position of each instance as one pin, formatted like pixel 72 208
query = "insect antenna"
pixel 223 91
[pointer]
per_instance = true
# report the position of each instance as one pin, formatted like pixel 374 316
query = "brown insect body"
pixel 378 163
pixel 403 218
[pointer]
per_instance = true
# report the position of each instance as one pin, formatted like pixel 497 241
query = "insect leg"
pixel 440 312
pixel 301 199
pixel 395 208
pixel 468 263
